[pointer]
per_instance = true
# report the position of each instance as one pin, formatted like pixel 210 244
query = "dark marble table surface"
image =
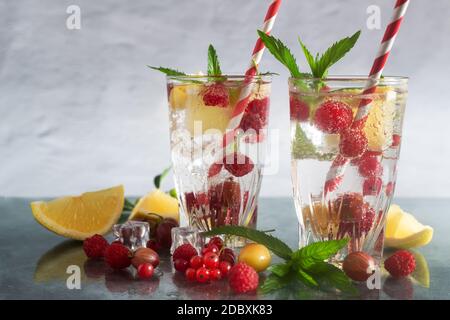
pixel 33 261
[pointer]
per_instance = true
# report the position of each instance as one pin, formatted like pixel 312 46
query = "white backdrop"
pixel 79 110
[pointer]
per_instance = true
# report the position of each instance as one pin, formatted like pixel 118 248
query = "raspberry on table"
pixel 299 110
pixel 118 256
pixel 400 264
pixel 238 164
pixel 353 143
pixel 185 251
pixel 333 117
pixel 216 95
pixel 95 246
pixel 243 278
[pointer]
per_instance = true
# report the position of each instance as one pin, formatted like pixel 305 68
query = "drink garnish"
pixel 319 64
pixel 306 265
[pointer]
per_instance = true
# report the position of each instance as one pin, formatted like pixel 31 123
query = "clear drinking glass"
pixel 355 204
pixel 217 187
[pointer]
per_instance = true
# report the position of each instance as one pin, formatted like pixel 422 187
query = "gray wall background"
pixel 79 110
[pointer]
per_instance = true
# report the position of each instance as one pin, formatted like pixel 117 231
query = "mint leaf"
pixel 173 193
pixel 213 62
pixel 302 147
pixel 273 283
pixel 275 245
pixel 168 71
pixel 128 205
pixel 158 179
pixel 330 276
pixel 333 54
pixel 307 256
pixel 280 269
pixel 309 57
pixel 280 52
pixel 306 278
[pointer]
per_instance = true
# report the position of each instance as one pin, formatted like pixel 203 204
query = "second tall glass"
pixel 344 174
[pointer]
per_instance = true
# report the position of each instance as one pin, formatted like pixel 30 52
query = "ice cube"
pixel 182 235
pixel 132 234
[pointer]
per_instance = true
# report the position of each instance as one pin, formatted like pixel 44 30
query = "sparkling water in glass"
pixel 356 205
pixel 217 187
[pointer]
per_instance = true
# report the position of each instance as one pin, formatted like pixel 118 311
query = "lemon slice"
pixel 157 201
pixel 404 231
pixel 81 216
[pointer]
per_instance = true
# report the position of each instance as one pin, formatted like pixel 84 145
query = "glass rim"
pixel 231 76
pixel 356 78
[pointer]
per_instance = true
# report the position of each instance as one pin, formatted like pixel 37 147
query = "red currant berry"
pixel 217 241
pixel 145 270
pixel 181 265
pixel 196 262
pixel 211 260
pixel 224 267
pixel 210 248
pixel 202 275
pixel 215 274
pixel 191 274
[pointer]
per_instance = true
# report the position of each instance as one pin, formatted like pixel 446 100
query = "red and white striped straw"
pixel 246 90
pixel 337 169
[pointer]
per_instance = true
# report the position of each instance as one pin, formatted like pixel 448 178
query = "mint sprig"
pixel 320 64
pixel 306 265
pixel 168 71
pixel 213 62
pixel 281 52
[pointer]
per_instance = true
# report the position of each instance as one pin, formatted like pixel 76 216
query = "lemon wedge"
pixel 404 231
pixel 156 201
pixel 80 217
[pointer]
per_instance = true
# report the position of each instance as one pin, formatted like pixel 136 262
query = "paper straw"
pixel 337 170
pixel 246 90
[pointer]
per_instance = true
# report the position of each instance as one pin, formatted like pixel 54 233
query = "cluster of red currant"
pixel 213 263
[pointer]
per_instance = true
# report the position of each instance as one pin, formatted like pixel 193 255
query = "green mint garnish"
pixel 281 53
pixel 306 265
pixel 168 71
pixel 302 147
pixel 320 65
pixel 275 245
pixel 213 62
pixel 158 179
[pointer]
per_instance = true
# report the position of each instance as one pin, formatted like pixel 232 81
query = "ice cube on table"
pixel 183 235
pixel 132 234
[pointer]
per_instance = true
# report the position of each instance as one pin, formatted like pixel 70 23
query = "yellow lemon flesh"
pixel 80 217
pixel 256 256
pixel 380 121
pixel 404 231
pixel 159 202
